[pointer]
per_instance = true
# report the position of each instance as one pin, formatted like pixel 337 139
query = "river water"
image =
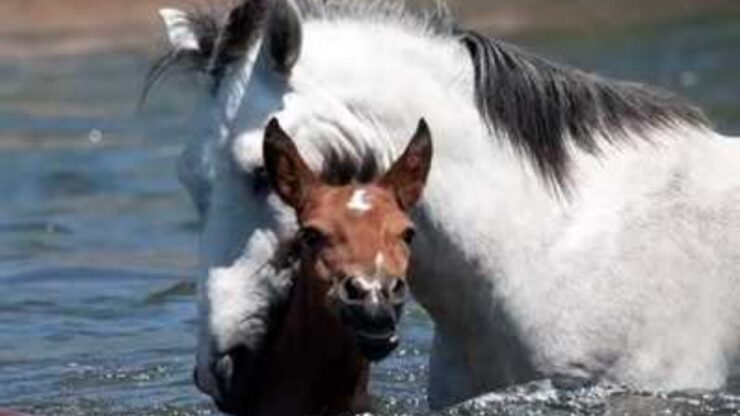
pixel 98 241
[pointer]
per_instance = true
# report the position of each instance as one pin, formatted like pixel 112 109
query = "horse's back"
pixel 713 195
pixel 698 222
pixel 657 267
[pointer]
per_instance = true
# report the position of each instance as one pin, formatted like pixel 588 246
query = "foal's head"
pixel 353 242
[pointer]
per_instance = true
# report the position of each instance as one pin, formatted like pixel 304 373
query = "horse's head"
pixel 354 240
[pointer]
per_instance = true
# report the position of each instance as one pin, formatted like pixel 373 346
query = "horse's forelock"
pixel 223 40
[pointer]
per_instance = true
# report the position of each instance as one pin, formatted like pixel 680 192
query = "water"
pixel 98 241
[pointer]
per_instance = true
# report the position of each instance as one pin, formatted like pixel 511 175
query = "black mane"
pixel 541 106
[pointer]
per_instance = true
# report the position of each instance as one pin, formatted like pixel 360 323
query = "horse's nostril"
pixel 231 380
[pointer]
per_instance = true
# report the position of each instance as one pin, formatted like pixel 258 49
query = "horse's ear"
pixel 180 30
pixel 408 174
pixel 284 35
pixel 288 173
pixel 242 24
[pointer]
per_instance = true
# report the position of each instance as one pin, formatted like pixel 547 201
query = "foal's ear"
pixel 407 176
pixel 288 173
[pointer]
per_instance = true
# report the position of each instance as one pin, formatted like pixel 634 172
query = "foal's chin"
pixel 376 347
pixel 372 324
pixel 376 339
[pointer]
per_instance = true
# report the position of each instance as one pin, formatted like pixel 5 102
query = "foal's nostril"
pixel 397 290
pixel 352 290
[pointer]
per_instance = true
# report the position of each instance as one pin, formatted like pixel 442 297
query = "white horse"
pixel 573 226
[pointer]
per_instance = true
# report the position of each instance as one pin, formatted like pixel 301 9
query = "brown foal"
pixel 351 259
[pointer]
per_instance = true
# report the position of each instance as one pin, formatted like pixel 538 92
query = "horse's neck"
pixel 484 211
pixel 413 76
pixel 481 196
pixel 508 255
pixel 314 367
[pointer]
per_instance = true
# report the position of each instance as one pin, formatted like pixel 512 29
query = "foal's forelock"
pixel 342 168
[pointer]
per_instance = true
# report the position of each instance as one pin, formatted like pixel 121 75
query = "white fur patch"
pixel 379 260
pixel 369 285
pixel 359 201
pixel 179 30
pixel 373 288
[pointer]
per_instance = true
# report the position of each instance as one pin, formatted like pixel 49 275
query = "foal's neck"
pixel 314 365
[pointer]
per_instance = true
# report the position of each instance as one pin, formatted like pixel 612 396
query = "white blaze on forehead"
pixel 373 285
pixel 379 260
pixel 359 201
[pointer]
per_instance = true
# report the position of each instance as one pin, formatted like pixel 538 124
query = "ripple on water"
pixel 86 341
pixel 542 398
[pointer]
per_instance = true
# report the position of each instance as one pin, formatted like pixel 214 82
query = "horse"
pixel 573 227
pixel 348 261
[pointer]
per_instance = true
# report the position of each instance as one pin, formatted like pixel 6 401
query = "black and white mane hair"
pixel 541 107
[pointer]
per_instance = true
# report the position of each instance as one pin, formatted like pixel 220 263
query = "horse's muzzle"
pixel 231 381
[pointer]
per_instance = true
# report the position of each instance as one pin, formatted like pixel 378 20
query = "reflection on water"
pixel 98 242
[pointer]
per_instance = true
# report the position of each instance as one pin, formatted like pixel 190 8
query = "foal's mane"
pixel 540 107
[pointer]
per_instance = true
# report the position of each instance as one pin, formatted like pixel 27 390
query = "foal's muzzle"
pixel 371 311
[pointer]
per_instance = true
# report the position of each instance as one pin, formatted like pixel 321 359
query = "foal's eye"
pixel 260 181
pixel 408 235
pixel 312 238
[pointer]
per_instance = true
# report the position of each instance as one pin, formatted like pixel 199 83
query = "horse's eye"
pixel 408 235
pixel 312 238
pixel 260 181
